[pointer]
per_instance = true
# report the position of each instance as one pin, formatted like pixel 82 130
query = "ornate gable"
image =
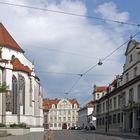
pixel 131 45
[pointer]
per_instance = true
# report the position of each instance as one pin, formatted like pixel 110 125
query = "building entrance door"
pixel 64 126
pixel 131 121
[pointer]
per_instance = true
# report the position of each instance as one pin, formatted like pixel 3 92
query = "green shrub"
pixel 2 125
pixel 20 125
pixel 13 125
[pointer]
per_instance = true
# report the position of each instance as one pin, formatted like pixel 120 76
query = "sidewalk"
pixel 113 133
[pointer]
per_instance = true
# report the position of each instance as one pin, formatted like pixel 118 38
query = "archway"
pixel 64 126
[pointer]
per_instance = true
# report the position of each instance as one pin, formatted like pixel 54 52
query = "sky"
pixel 63 46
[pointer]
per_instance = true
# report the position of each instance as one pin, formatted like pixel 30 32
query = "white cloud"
pixel 38 29
pixel 109 10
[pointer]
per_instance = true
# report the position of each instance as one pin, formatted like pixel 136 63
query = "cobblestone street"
pixel 70 135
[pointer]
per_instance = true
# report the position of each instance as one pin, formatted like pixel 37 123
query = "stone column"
pixel 134 121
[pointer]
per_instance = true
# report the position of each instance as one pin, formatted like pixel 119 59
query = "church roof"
pixel 7 40
pixel 18 66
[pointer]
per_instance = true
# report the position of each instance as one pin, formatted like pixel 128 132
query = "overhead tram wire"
pixel 71 14
pixel 104 59
pixel 78 15
pixel 120 46
pixel 74 84
pixel 71 74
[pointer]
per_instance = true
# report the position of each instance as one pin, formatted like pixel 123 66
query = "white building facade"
pixel 22 102
pixel 61 114
pixel 85 116
pixel 119 109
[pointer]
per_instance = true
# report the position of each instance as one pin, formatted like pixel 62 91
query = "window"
pixel 123 100
pixel 114 118
pixel 59 124
pixel 59 118
pixel 14 93
pixel 97 123
pixel 55 106
pixel 131 95
pixel 69 118
pixel 118 117
pixel 12 57
pixel 110 119
pixel 55 125
pixel 131 58
pixel 69 112
pixel 138 91
pixel 119 97
pixel 55 118
pixel 114 102
pixel 110 104
pixel 106 105
pixel 103 121
pixel 122 117
pixel 98 108
pixel 98 96
pixel 103 107
pixel 135 72
pixel 31 91
pixel 127 77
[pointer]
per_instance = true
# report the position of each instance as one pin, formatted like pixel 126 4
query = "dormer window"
pixel 131 58
pixel 12 57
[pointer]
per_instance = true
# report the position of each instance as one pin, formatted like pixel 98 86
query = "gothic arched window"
pixel 22 91
pixel 14 93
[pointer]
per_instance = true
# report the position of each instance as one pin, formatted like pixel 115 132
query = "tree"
pixel 3 87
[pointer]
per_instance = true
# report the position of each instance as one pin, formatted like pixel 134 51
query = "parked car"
pixel 77 128
pixel 92 127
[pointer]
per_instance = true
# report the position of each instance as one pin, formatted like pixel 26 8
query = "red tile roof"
pixel 7 40
pixel 90 104
pixel 101 88
pixel 47 103
pixel 73 101
pixel 18 66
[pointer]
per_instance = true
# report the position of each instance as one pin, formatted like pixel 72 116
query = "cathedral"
pixel 22 100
